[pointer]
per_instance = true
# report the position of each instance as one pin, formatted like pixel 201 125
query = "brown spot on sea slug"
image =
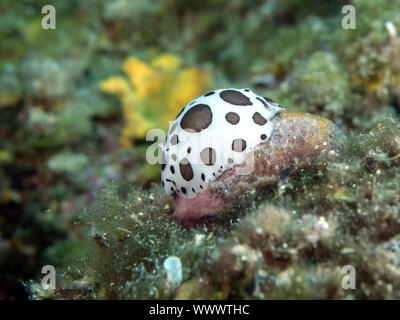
pixel 298 141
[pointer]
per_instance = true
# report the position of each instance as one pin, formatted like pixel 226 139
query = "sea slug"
pixel 231 140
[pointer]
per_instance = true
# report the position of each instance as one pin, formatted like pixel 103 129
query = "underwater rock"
pixel 298 141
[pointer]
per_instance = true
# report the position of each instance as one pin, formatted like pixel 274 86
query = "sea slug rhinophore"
pixel 231 140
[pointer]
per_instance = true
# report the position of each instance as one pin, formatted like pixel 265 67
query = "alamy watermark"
pixel 49 278
pixel 49 20
pixel 349 20
pixel 349 280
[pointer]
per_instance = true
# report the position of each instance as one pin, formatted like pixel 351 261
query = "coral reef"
pixel 61 134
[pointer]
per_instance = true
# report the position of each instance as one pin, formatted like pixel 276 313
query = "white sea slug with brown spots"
pixel 217 133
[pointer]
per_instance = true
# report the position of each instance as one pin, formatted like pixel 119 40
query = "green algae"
pixel 127 241
pixel 291 242
pixel 307 86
